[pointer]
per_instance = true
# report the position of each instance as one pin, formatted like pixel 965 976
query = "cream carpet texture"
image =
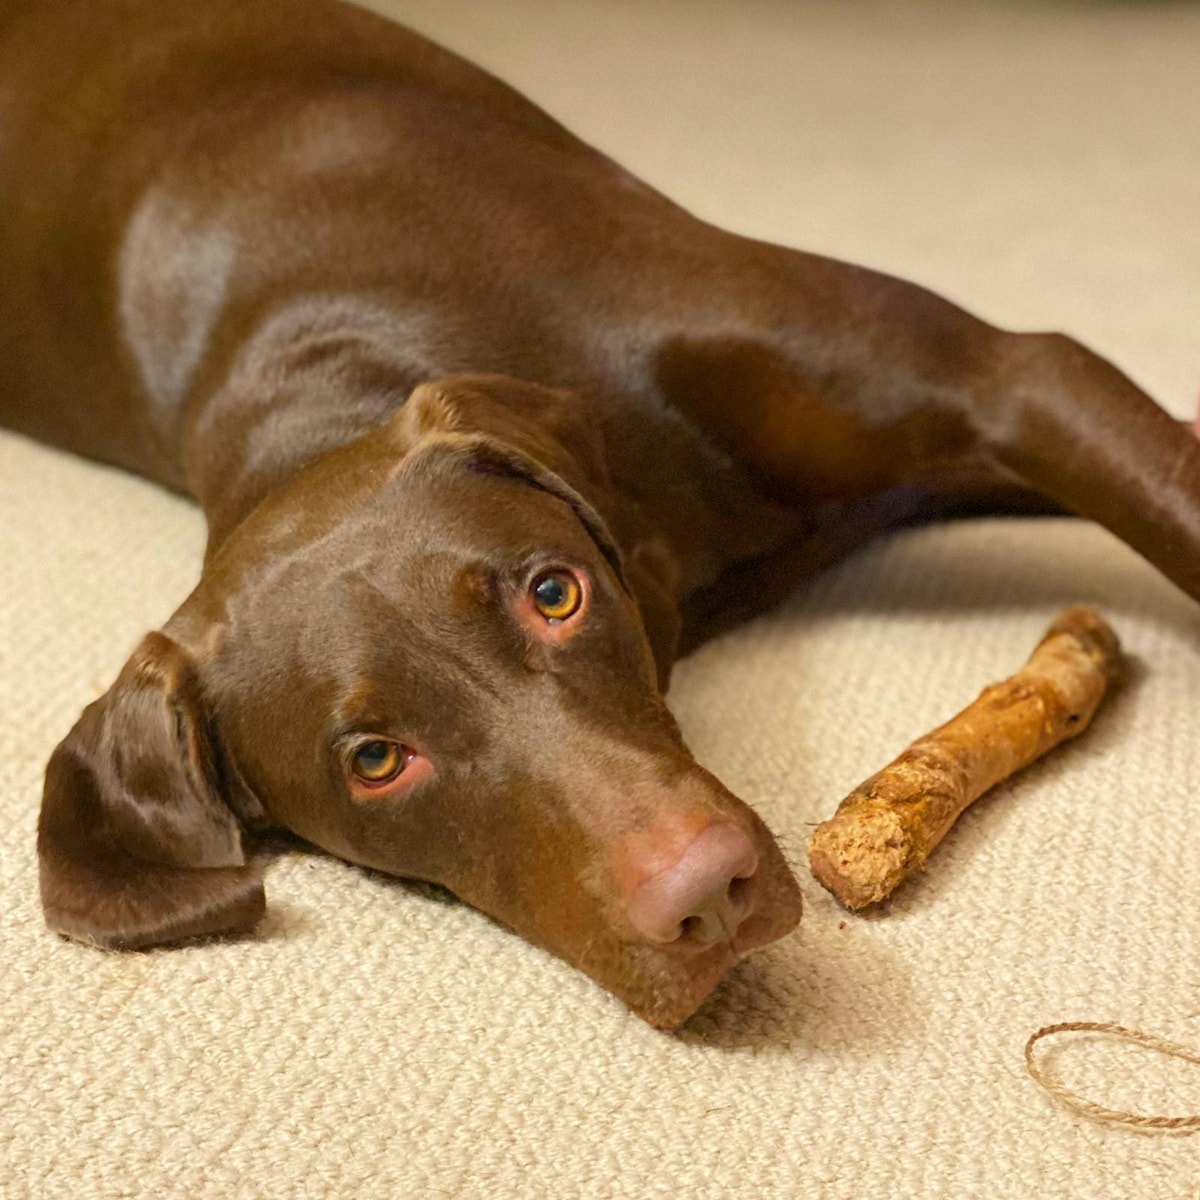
pixel 1038 163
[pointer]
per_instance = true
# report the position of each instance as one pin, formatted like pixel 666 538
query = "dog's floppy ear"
pixel 136 846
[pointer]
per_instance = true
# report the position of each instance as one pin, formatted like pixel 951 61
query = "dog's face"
pixel 424 657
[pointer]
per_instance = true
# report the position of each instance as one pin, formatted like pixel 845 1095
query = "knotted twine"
pixel 1097 1112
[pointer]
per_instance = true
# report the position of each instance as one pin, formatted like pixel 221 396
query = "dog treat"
pixel 888 826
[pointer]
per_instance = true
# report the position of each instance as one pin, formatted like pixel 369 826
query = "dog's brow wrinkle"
pixel 360 702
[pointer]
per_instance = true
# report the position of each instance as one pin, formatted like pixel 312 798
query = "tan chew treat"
pixel 888 826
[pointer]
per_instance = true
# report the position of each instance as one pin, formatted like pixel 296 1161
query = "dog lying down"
pixel 486 433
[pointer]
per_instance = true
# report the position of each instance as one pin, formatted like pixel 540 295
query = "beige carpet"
pixel 1041 164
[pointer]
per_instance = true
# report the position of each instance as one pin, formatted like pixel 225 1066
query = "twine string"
pixel 1097 1112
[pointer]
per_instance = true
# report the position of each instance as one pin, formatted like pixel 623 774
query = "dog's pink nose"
pixel 701 897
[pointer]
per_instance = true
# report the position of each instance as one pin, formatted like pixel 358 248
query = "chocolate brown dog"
pixel 486 432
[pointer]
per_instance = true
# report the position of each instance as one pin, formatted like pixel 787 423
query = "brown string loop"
pixel 1097 1112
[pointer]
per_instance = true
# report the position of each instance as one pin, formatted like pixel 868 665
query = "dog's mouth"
pixel 659 912
pixel 667 991
pixel 666 983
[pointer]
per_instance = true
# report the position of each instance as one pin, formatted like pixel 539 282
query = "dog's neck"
pixel 316 376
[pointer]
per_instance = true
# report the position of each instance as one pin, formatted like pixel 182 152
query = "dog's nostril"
pixel 739 889
pixel 720 916
pixel 706 928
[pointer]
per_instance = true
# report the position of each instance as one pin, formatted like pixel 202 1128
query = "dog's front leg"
pixel 1067 422
pixel 836 383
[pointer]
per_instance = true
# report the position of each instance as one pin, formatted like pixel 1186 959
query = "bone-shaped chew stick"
pixel 888 826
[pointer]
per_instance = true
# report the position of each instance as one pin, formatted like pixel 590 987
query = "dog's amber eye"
pixel 557 595
pixel 379 762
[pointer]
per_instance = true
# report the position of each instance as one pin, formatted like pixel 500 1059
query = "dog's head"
pixel 426 656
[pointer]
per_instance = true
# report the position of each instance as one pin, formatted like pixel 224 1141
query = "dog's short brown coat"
pixel 408 342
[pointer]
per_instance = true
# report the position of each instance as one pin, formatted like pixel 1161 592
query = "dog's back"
pixel 194 161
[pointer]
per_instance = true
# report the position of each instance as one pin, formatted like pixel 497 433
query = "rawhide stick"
pixel 888 826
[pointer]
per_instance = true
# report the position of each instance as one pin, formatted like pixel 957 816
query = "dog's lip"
pixel 668 1009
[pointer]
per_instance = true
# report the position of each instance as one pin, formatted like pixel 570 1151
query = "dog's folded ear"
pixel 549 424
pixel 136 845
pixel 546 436
pixel 545 425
